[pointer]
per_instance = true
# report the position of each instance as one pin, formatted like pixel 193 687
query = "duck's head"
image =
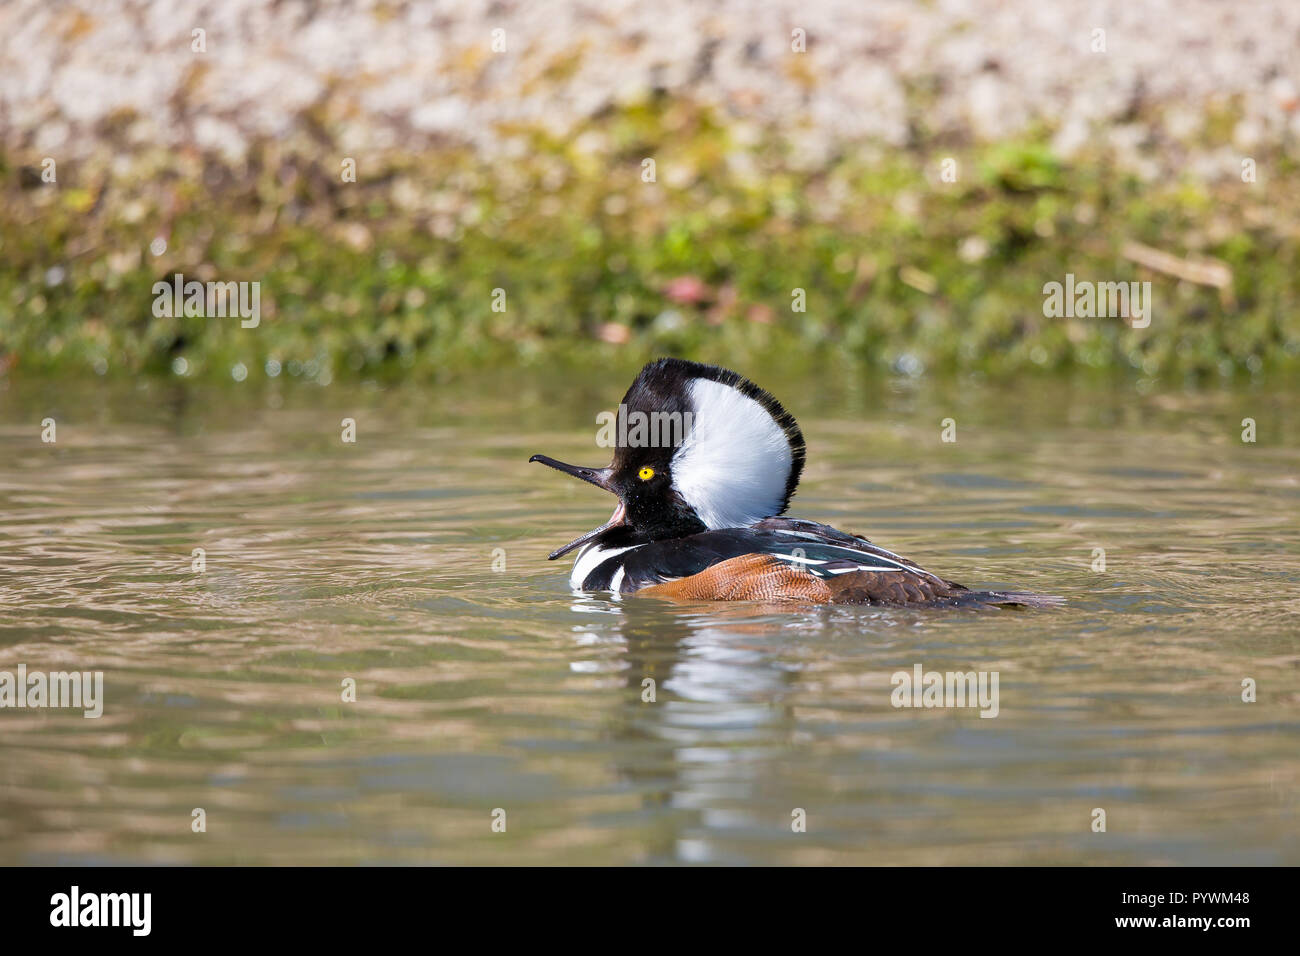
pixel 696 448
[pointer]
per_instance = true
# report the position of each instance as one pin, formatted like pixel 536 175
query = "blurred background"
pixel 918 169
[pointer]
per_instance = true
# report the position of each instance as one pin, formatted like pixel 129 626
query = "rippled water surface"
pixel 414 562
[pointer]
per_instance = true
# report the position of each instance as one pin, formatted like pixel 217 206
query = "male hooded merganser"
pixel 700 493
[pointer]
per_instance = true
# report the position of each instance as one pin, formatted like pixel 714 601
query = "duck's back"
pixel 778 560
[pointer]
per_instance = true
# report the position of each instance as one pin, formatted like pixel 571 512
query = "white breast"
pixel 589 558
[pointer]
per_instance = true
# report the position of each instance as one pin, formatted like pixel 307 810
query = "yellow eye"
pixel 646 473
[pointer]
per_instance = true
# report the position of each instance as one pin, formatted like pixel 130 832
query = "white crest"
pixel 735 462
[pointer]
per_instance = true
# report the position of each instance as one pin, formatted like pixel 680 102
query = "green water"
pixel 481 687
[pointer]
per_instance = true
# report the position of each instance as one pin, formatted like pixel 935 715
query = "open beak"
pixel 600 478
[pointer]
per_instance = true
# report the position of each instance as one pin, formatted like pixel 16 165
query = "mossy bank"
pixel 654 230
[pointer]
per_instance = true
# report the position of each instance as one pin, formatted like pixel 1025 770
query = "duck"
pixel 705 464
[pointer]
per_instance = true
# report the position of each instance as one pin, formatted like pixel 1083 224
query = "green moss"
pixel 395 273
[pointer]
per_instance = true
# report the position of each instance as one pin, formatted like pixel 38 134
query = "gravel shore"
pixel 373 75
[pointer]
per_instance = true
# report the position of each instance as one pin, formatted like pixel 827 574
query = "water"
pixel 480 689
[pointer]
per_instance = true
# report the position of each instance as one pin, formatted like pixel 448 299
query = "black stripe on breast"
pixel 601 577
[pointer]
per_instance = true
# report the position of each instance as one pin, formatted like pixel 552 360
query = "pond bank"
pixel 418 261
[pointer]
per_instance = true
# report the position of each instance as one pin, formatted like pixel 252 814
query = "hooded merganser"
pixel 700 495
